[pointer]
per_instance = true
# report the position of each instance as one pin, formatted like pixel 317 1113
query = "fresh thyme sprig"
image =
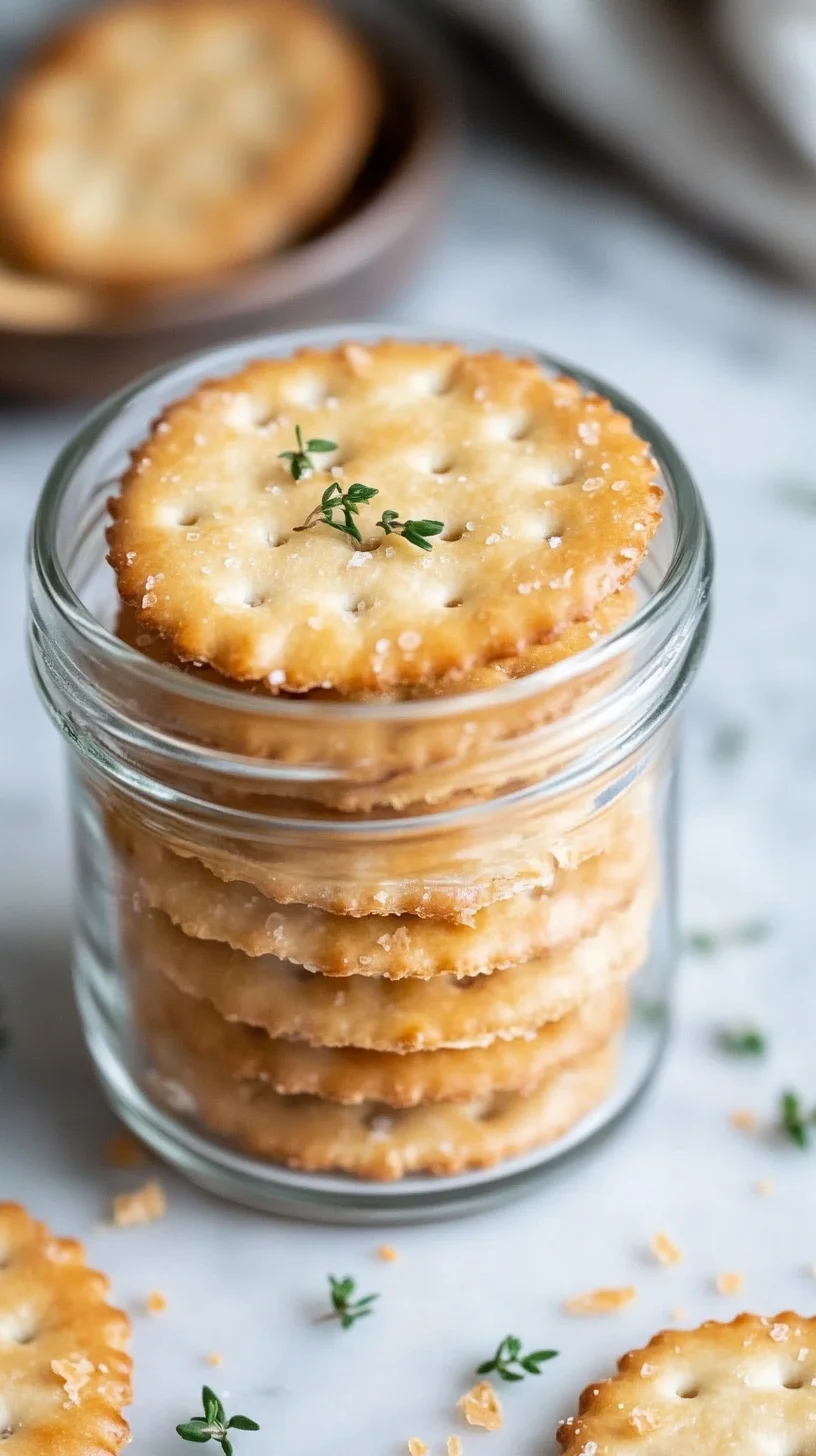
pixel 413 531
pixel 743 1041
pixel 213 1425
pixel 345 1307
pixel 335 498
pixel 794 1121
pixel 300 460
pixel 509 1354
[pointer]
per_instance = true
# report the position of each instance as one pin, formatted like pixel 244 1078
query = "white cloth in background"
pixel 714 99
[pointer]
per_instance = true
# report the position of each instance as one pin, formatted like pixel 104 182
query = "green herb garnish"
pixel 793 1119
pixel 334 498
pixel 300 460
pixel 345 1307
pixel 743 1041
pixel 413 531
pixel 509 1354
pixel 709 942
pixel 213 1425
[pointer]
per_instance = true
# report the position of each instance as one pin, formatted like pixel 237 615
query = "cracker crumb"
pixel 215 1358
pixel 156 1302
pixel 481 1406
pixel 124 1151
pixel 678 1313
pixel 454 1445
pixel 601 1301
pixel 764 1187
pixel 417 1447
pixel 74 1374
pixel 744 1120
pixel 144 1205
pixel 729 1283
pixel 386 1254
pixel 664 1250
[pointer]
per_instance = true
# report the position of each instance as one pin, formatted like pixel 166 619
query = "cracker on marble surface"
pixel 64 1371
pixel 547 496
pixel 747 1386
pixel 152 142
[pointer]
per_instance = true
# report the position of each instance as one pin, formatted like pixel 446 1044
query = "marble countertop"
pixel 556 249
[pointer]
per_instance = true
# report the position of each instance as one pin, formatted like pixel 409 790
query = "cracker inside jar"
pixel 389 528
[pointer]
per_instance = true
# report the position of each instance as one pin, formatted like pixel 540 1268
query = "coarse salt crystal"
pixel 276 677
pixel 492 539
pixel 409 641
pixel 358 558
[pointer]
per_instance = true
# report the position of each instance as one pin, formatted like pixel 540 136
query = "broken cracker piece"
pixel 601 1301
pixel 729 1283
pixel 481 1406
pixel 454 1445
pixel 143 1205
pixel 664 1250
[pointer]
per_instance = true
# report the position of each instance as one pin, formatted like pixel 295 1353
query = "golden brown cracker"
pixel 246 1053
pixel 520 928
pixel 547 495
pixel 153 142
pixel 374 1141
pixel 380 1015
pixel 64 1370
pixel 747 1386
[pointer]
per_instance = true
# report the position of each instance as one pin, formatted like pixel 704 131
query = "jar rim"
pixel 691 547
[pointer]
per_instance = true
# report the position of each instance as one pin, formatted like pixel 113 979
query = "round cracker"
pixel 380 1015
pixel 375 1141
pixel 436 871
pixel 64 1371
pixel 153 142
pixel 517 929
pixel 410 767
pixel 400 1079
pixel 747 1386
pixel 548 497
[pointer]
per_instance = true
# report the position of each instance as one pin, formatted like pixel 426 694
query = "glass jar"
pixel 378 959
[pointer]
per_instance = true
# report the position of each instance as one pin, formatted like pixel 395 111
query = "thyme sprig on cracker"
pixel 300 460
pixel 413 531
pixel 214 1425
pixel 334 498
pixel 345 1307
pixel 510 1364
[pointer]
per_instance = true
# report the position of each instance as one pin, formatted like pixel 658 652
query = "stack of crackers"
pixel 162 142
pixel 391 950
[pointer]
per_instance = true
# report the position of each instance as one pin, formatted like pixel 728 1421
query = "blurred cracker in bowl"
pixel 45 304
pixel 164 140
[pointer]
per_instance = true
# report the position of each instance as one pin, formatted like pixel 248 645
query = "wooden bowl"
pixel 60 343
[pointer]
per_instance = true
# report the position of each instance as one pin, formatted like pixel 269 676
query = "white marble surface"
pixel 553 250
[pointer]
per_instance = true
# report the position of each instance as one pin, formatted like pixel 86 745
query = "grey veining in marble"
pixel 558 251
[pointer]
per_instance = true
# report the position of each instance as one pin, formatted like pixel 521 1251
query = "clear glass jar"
pixel 298 920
